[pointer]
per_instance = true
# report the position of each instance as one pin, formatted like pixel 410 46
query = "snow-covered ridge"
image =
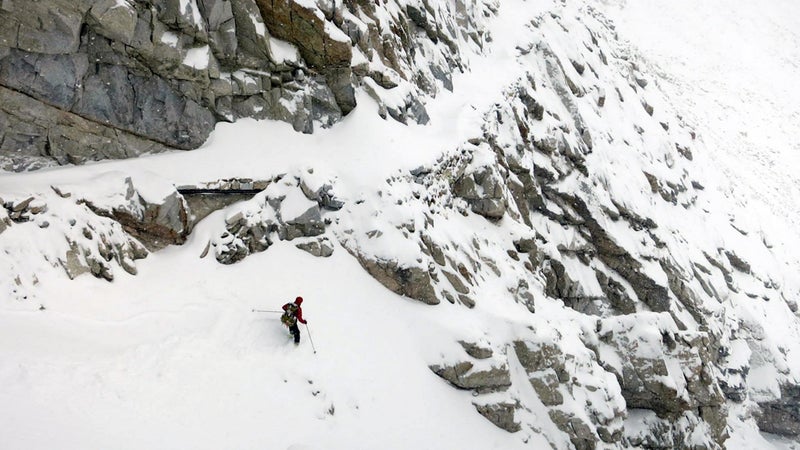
pixel 594 287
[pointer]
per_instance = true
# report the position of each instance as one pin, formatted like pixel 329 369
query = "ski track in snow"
pixel 219 376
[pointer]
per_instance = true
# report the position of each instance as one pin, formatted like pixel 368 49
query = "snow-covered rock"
pixel 150 210
pixel 150 76
pixel 285 210
pixel 554 241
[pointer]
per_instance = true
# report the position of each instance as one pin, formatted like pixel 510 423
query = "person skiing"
pixel 293 313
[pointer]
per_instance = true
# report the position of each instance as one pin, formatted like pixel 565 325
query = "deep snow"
pixel 731 69
pixel 174 357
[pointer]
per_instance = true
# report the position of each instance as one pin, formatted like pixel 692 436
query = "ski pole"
pixel 267 311
pixel 308 330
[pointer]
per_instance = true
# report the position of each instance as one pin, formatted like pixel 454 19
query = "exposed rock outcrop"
pixel 590 418
pixel 663 370
pixel 782 416
pixel 156 222
pixel 97 245
pixel 608 323
pixel 409 281
pixel 205 198
pixel 35 135
pixel 281 212
pixel 500 414
pixel 323 46
pixel 321 247
pixel 112 80
pixel 88 80
pixel 464 376
pixel 484 190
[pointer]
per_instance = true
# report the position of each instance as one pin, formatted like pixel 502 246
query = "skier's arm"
pixel 299 315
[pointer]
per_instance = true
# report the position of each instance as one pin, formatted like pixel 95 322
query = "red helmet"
pixel 298 300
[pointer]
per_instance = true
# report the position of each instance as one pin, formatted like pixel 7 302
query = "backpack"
pixel 288 317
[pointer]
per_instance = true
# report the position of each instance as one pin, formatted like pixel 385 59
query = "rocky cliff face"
pixel 646 302
pixel 88 80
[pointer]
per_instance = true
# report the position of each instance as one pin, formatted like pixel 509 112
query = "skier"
pixel 292 314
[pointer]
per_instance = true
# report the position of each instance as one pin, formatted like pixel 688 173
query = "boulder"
pixel 305 225
pixel 500 414
pixel 737 262
pixel 182 15
pixel 410 281
pixel 434 250
pixel 483 189
pixel 476 351
pixel 464 376
pixel 522 294
pixel 324 196
pixel 782 416
pixel 526 245
pixel 581 435
pixel 546 386
pixel 409 108
pixel 492 209
pixel 245 234
pixel 456 282
pixel 559 284
pixel 318 247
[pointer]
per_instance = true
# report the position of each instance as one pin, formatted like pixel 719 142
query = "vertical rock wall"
pixel 86 80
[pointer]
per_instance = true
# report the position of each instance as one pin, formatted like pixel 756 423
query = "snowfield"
pixel 731 70
pixel 174 357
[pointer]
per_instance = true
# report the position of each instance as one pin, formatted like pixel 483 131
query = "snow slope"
pixel 732 71
pixel 174 357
